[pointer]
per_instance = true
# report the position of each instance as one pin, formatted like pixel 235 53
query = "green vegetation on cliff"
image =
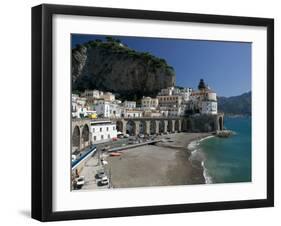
pixel 112 66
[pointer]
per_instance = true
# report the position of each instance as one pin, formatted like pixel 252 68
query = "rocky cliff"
pixel 112 66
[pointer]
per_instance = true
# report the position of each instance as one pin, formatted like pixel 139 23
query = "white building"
pixel 97 94
pixel 103 131
pixel 80 112
pixel 169 101
pixel 172 111
pixel 166 92
pixel 173 91
pixel 204 100
pixel 108 96
pixel 92 94
pixel 129 104
pixel 132 113
pixel 107 109
pixel 185 93
pixel 149 103
pixel 209 107
pixel 78 106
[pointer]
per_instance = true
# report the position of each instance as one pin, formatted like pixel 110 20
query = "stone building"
pixel 149 103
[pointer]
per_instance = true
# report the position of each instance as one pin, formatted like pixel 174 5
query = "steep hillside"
pixel 112 66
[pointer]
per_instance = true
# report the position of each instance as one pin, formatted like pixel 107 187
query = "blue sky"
pixel 225 66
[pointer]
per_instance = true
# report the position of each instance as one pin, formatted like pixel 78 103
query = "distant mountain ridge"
pixel 236 105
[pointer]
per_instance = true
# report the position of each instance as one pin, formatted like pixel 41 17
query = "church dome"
pixel 202 84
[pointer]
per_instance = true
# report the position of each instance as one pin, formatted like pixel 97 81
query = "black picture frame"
pixel 42 111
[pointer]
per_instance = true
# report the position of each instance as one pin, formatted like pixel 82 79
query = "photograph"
pixel 149 111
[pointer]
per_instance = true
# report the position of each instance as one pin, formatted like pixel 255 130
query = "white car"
pixel 104 180
pixel 80 181
pixel 104 162
pixel 101 174
pixel 73 158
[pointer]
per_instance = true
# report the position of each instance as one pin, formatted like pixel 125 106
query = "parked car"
pixel 126 135
pixel 120 136
pixel 104 162
pixel 101 174
pixel 73 158
pixel 104 180
pixel 79 182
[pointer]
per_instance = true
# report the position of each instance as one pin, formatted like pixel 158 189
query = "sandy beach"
pixel 166 163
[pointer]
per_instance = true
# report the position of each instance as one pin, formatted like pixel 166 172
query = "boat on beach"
pixel 113 154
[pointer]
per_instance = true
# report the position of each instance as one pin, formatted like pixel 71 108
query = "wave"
pixel 208 178
pixel 205 138
pixel 198 155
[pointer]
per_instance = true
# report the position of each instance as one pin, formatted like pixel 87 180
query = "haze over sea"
pixel 226 160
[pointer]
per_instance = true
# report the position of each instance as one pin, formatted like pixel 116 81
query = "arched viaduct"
pixel 81 134
pixel 81 128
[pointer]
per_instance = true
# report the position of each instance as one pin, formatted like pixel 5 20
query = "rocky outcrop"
pixel 112 66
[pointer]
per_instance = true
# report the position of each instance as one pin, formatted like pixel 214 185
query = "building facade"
pixel 149 103
pixel 132 113
pixel 129 104
pixel 106 109
pixel 103 131
pixel 209 107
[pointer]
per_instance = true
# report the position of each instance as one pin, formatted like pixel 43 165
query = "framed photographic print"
pixel 146 112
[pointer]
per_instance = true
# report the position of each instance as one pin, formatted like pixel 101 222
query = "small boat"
pixel 115 154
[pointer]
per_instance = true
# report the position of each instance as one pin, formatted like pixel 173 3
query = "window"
pixel 107 129
pixel 100 129
pixel 95 138
pixel 114 128
pixel 101 137
pixel 108 136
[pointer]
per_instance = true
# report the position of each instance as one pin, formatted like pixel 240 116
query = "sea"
pixel 226 160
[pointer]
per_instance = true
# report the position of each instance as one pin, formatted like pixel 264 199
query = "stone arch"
pixel 85 133
pixel 85 136
pixel 212 125
pixel 131 128
pixel 177 125
pixel 153 127
pixel 170 126
pixel 76 138
pixel 120 126
pixel 142 127
pixel 220 123
pixel 188 124
pixel 161 126
pixel 183 125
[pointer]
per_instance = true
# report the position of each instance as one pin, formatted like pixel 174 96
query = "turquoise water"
pixel 227 160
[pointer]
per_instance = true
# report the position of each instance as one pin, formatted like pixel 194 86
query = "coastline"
pixel 189 143
pixel 167 163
